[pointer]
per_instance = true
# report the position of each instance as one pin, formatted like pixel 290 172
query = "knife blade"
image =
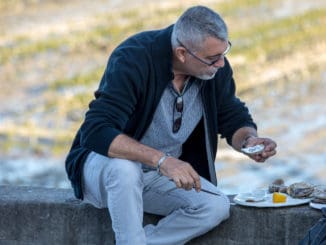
pixel 204 190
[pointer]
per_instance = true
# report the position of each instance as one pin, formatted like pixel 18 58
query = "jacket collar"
pixel 163 54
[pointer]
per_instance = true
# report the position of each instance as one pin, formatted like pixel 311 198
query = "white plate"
pixel 251 197
pixel 317 205
pixel 267 201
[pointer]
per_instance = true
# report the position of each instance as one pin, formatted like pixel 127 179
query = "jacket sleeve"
pixel 233 114
pixel 115 100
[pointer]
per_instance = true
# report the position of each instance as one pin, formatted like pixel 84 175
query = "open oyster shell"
pixel 277 186
pixel 300 190
pixel 319 195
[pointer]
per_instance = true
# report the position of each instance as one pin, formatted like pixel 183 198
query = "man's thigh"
pixel 100 172
pixel 161 196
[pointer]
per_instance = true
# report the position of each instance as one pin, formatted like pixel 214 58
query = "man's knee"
pixel 216 210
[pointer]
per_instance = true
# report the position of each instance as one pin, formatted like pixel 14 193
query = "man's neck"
pixel 179 81
pixel 180 76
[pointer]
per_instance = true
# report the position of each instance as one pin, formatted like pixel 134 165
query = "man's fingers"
pixel 184 182
pixel 261 157
pixel 197 185
pixel 196 180
pixel 184 176
pixel 269 153
pixel 177 183
pixel 188 182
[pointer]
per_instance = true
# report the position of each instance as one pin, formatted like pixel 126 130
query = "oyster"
pixel 300 190
pixel 277 186
pixel 320 199
pixel 319 195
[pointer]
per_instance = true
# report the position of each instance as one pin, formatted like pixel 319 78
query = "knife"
pixel 204 190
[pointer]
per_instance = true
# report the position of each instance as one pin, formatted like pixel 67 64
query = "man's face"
pixel 204 63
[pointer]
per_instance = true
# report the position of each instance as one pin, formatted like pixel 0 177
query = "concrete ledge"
pixel 30 215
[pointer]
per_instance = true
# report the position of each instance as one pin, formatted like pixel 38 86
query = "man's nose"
pixel 219 63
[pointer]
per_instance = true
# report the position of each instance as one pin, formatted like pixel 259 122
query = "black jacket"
pixel 136 75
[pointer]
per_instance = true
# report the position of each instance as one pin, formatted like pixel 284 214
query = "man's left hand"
pixel 269 149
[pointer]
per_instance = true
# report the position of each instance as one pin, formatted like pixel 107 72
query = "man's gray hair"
pixel 195 25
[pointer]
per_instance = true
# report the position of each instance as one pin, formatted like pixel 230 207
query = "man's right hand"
pixel 182 173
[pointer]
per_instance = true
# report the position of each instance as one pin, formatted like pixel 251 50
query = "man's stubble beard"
pixel 207 76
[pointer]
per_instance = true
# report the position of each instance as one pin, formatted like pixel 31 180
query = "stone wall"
pixel 30 215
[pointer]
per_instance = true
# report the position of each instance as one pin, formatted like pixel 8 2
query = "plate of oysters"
pixel 278 195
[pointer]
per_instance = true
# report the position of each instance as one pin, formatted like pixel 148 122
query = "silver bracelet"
pixel 160 161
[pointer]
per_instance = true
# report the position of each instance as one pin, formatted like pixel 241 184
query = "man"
pixel 149 138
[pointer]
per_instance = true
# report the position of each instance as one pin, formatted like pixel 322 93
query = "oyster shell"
pixel 319 195
pixel 277 186
pixel 300 190
pixel 321 200
pixel 278 182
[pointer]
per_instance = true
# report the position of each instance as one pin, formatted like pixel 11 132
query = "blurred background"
pixel 53 53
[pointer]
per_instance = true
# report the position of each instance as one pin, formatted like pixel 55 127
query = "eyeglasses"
pixel 178 107
pixel 220 56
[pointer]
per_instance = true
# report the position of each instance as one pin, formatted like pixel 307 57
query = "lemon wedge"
pixel 279 197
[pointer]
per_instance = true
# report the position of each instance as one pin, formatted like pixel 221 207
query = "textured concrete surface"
pixel 30 215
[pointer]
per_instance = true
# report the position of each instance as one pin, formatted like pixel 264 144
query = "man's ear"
pixel 180 52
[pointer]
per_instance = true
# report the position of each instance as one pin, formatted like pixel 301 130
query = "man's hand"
pixel 269 150
pixel 182 173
